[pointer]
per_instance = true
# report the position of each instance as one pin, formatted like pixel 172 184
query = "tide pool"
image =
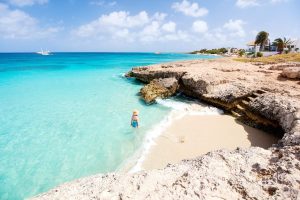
pixel 67 116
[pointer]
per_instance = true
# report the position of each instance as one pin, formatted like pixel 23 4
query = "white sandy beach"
pixel 193 135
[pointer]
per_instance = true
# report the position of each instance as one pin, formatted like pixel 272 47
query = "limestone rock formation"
pixel 252 173
pixel 159 88
pixel 291 72
pixel 281 66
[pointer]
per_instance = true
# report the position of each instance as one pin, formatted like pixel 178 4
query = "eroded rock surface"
pixel 281 66
pixel 252 173
pixel 291 72
pixel 255 94
pixel 159 88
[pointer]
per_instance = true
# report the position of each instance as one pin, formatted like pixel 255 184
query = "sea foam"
pixel 179 109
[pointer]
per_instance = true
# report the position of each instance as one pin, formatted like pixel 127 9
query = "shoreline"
pixel 133 163
pixel 179 109
pixel 195 135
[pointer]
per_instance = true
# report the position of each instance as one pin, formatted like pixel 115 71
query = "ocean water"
pixel 67 116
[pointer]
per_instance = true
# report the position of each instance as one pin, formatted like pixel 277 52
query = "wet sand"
pixel 192 136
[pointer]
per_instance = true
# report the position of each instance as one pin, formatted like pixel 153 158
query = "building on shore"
pixel 252 47
pixel 295 45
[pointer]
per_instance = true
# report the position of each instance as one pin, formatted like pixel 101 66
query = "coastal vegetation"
pixel 259 54
pixel 266 48
pixel 282 44
pixel 279 58
pixel 221 51
pixel 211 51
pixel 262 39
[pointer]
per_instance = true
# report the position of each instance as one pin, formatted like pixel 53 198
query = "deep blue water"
pixel 66 116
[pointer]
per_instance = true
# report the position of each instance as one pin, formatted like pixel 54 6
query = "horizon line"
pixel 99 51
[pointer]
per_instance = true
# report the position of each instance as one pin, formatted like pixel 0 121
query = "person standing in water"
pixel 135 119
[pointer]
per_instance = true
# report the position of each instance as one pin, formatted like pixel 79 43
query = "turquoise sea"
pixel 67 115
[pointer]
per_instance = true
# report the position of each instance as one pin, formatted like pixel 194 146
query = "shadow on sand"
pixel 259 138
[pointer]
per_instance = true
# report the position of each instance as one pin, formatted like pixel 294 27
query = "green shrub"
pixel 211 51
pixel 259 54
pixel 241 52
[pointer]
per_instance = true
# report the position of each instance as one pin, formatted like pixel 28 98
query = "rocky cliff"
pixel 256 94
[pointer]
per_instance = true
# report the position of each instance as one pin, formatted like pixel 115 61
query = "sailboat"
pixel 44 53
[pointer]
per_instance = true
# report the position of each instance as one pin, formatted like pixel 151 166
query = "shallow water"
pixel 67 115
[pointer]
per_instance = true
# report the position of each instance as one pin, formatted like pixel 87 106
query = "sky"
pixel 142 25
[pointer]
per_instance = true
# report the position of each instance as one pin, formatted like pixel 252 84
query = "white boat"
pixel 44 53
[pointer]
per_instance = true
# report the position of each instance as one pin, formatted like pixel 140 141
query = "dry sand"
pixel 192 136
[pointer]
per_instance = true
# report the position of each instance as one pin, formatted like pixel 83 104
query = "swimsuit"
pixel 134 122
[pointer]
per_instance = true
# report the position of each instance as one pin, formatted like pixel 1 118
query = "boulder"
pixel 291 72
pixel 159 88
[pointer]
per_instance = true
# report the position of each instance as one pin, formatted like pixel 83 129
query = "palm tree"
pixel 262 39
pixel 282 43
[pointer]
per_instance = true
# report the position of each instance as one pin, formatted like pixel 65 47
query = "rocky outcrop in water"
pixel 254 94
pixel 159 88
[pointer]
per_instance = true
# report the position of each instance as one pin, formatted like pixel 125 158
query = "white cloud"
pixel 169 27
pixel 216 36
pixel 176 36
pixel 115 24
pixel 232 33
pixel 150 32
pixel 200 26
pixel 18 24
pixel 22 3
pixel 251 3
pixel 123 19
pixel 122 33
pixel 156 31
pixel 118 20
pixel 146 29
pixel 122 25
pixel 159 16
pixel 235 27
pixel 189 9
